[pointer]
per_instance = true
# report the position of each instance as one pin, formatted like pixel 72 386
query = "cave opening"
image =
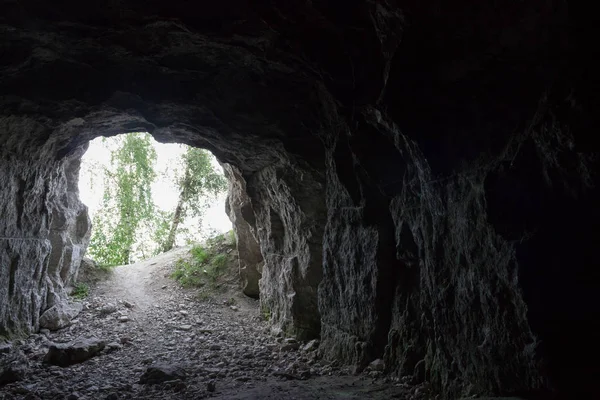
pixel 146 197
pixel 407 178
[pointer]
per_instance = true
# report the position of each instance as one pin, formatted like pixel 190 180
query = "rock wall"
pixel 421 174
pixel 290 211
pixel 408 291
pixel 44 232
pixel 241 213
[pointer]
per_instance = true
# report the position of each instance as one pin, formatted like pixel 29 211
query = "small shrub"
pixel 188 274
pixel 219 261
pixel 215 241
pixel 199 253
pixel 206 266
pixel 80 291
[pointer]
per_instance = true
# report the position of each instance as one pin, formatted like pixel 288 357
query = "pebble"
pixel 184 327
pixel 238 349
pixel 128 304
pixel 108 309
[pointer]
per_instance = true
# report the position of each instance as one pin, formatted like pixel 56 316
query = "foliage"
pixel 206 266
pixel 198 181
pixel 160 229
pixel 219 261
pixel 129 226
pixel 127 200
pixel 80 291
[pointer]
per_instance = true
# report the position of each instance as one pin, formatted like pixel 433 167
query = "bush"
pixel 80 291
pixel 206 265
pixel 199 253
pixel 188 274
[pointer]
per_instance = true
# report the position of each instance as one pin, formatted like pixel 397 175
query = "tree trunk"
pixel 174 224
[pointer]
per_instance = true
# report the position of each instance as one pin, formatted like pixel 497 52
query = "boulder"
pixel 13 366
pixel 59 315
pixel 65 354
pixel 162 373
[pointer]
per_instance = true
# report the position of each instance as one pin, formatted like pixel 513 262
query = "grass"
pixel 206 265
pixel 80 291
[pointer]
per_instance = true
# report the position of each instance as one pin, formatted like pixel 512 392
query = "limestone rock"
pixel 290 213
pixel 128 304
pixel 377 365
pixel 108 309
pixel 311 345
pixel 90 273
pixel 422 186
pixel 59 315
pixel 239 209
pixel 75 352
pixel 13 366
pixel 162 373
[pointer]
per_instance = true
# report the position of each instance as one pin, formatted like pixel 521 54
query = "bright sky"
pixel 164 192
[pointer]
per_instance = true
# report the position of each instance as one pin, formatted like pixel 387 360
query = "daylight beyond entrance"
pixel 138 190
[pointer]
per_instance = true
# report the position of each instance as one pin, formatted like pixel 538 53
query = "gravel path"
pixel 207 349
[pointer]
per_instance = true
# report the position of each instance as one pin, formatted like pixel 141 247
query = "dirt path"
pixel 224 352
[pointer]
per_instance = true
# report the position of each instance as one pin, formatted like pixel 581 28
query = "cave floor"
pixel 148 320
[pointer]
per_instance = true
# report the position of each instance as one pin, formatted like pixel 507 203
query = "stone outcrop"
pixel 290 212
pixel 44 232
pixel 78 351
pixel 238 207
pixel 13 365
pixel 421 175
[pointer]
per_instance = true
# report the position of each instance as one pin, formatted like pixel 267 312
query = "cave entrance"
pixel 145 197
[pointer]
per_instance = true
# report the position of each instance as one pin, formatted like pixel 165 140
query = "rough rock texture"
pixel 13 366
pixel 289 208
pixel 59 315
pixel 422 174
pixel 222 354
pixel 45 228
pixel 80 350
pixel 238 207
pixel 161 373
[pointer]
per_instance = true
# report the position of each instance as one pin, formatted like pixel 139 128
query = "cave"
pixel 420 177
